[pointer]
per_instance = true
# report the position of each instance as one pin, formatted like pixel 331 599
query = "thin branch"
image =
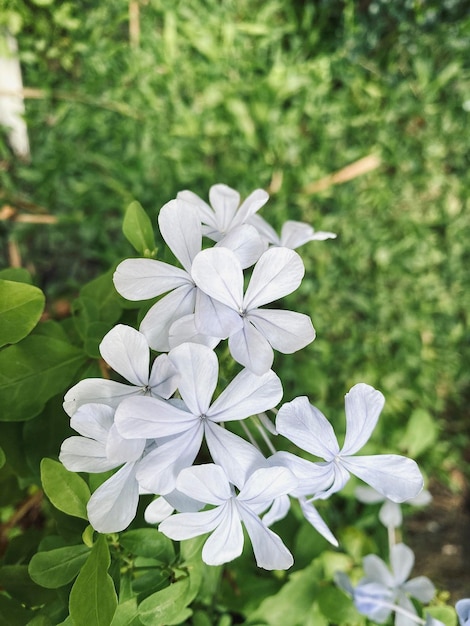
pixel 358 168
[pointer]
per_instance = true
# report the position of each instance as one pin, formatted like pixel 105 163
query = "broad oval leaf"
pixel 21 306
pixel 137 228
pixel 148 542
pixel 58 567
pixel 163 607
pixel 34 371
pixel 93 598
pixel 66 490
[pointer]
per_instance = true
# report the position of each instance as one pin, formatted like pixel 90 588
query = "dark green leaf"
pixel 126 614
pixel 336 606
pixel 66 490
pixel 2 458
pixel 148 542
pixel 102 292
pixel 57 567
pixel 138 230
pixel 164 606
pixel 21 306
pixel 16 581
pixel 33 371
pixel 12 613
pixel 16 274
pixel 93 599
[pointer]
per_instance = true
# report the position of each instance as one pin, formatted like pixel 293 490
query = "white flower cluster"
pixel 153 428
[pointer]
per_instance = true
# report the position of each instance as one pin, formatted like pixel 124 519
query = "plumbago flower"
pixel 395 477
pixel 211 484
pixel 100 448
pixel 126 350
pixel 226 213
pixel 180 427
pixel 383 590
pixel 141 279
pixel 463 611
pixel 252 332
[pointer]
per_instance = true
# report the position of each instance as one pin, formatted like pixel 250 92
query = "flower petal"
pixel 390 514
pixel 313 478
pixel 180 227
pixel 127 352
pixel 163 380
pixel 141 279
pixel 286 331
pixel 144 417
pixel 93 421
pixel 237 457
pixel 206 214
pixel 265 230
pixel 270 552
pixel 113 506
pixel 278 273
pixel 420 588
pixel 198 370
pixel 158 510
pixel 207 483
pixel 226 542
pixel 251 205
pixel 277 511
pixel 79 454
pixel 184 330
pixel 224 201
pixel 158 470
pixel 120 450
pixel 295 234
pixel 314 518
pixel 247 394
pixel 308 428
pixel 214 318
pixel 250 348
pixel 394 476
pixel 188 525
pixel 246 243
pixel 363 405
pixel 218 272
pixel 376 570
pixel 97 391
pixel 266 484
pixel 374 601
pixel 402 560
pixel 158 320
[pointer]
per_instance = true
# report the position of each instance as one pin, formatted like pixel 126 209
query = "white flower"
pixel 209 483
pixel 463 611
pixel 253 332
pixel 126 350
pixel 394 476
pixel 113 505
pixel 293 234
pixel 396 581
pixel 226 213
pixel 141 279
pixel 180 427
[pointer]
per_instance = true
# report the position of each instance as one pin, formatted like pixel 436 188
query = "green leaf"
pixel 336 606
pixel 21 306
pixel 12 613
pixel 445 614
pixel 421 433
pixel 164 606
pixel 126 614
pixel 16 581
pixel 93 598
pixel 102 292
pixel 148 542
pixel 138 230
pixel 34 371
pixel 66 490
pixel 2 458
pixel 16 274
pixel 58 567
pixel 40 620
